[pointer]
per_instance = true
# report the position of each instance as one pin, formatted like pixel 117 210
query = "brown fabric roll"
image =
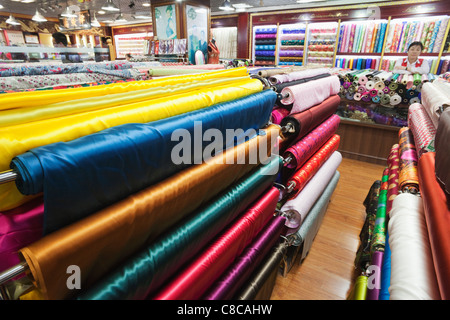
pixel 101 241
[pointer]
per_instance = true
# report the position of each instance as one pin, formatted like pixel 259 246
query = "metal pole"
pixel 8 176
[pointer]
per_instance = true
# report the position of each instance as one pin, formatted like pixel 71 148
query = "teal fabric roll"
pixel 147 270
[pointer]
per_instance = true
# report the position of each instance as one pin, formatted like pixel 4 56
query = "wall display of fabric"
pixel 362 37
pixel 350 62
pixel 108 233
pixel 264 36
pixel 291 44
pixel 321 43
pixel 430 31
pixel 72 126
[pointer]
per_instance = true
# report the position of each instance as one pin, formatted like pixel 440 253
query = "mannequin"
pixel 213 51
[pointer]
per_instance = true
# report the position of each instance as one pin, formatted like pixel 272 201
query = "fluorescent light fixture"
pixel 226 6
pixel 11 20
pixel 146 4
pixel 101 11
pixel 38 17
pixel 110 6
pixel 141 16
pixel 28 1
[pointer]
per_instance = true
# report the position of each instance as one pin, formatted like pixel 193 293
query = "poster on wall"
pixel 166 26
pixel 197 32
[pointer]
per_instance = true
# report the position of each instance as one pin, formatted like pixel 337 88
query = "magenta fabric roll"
pixel 308 94
pixel 279 114
pixel 265 36
pixel 422 128
pixel 237 274
pixel 19 227
pixel 308 146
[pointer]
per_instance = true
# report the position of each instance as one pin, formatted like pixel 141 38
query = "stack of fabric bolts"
pixel 405 235
pixel 265 43
pixel 291 46
pixel 322 42
pixel 362 38
pixel 127 199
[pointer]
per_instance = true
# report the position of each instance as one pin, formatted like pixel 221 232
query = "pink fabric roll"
pixel 306 95
pixel 19 227
pixel 297 75
pixel 422 128
pixel 292 36
pixel 279 114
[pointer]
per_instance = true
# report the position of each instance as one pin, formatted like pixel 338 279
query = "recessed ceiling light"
pixel 101 11
pixel 146 4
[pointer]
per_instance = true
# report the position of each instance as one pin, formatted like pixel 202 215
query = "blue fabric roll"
pixel 368 63
pixel 84 175
pixel 385 271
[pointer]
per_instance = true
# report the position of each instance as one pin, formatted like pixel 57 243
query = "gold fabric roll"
pixel 17 139
pixel 38 98
pixel 99 242
pixel 24 115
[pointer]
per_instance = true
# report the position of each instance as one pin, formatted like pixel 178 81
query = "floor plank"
pixel 327 272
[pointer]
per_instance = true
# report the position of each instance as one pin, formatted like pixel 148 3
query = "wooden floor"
pixel 327 271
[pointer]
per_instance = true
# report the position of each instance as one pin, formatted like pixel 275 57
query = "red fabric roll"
pixel 193 281
pixel 437 216
pixel 307 120
pixel 310 168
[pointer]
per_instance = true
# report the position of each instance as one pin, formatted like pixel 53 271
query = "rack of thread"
pixel 291 44
pixel 265 40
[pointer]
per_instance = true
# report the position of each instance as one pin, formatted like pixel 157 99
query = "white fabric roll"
pixel 412 271
pixel 304 201
pixel 435 95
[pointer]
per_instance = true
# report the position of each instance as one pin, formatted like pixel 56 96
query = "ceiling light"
pixel 101 11
pixel 95 22
pixel 38 17
pixel 110 6
pixel 120 18
pixel 226 5
pixel 141 16
pixel 307 1
pixel 68 14
pixel 146 4
pixel 12 20
pixel 28 1
pixel 242 6
pixel 1 7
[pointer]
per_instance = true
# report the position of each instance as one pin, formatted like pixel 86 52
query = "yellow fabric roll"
pixel 24 115
pixel 37 98
pixel 17 139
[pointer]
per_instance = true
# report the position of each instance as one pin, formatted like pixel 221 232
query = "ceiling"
pixel 130 8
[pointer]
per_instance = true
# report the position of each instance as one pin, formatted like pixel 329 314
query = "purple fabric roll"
pixel 373 290
pixel 236 275
pixel 291 53
pixel 266 36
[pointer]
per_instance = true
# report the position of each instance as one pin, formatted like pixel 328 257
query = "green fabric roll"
pixel 385 99
pixel 417 79
pixel 148 269
pixel 379 231
pixel 359 291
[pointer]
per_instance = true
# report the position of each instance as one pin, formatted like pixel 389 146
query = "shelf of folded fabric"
pixel 321 39
pixel 265 45
pixel 291 42
pixel 362 37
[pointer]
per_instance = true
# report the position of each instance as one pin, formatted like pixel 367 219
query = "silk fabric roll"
pixel 385 278
pixel 35 134
pixel 433 97
pixel 306 95
pixel 184 241
pixel 297 75
pixel 306 147
pixel 191 282
pixel 238 273
pixel 359 291
pixel 408 178
pixel 393 166
pixel 379 230
pixel 102 168
pixel 305 121
pixel 304 201
pixel 302 176
pixel 119 230
pixel 442 144
pixel 413 275
pixel 374 291
pixel 422 129
pixel 437 216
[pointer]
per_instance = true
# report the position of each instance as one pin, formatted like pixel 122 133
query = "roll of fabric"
pixel 433 97
pixel 306 95
pixel 238 273
pixel 110 234
pixel 442 144
pixel 303 202
pixel 63 129
pixel 308 146
pixel 19 227
pixel 305 235
pixel 310 168
pixel 375 277
pixel 379 230
pixel 279 114
pixel 422 129
pixel 305 121
pixel 271 263
pixel 183 242
pixel 192 281
pixel 101 168
pixel 413 274
pixel 408 179
pixel 393 166
pixel 385 280
pixel 359 291
pixel 297 75
pixel 279 87
pixel 437 213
